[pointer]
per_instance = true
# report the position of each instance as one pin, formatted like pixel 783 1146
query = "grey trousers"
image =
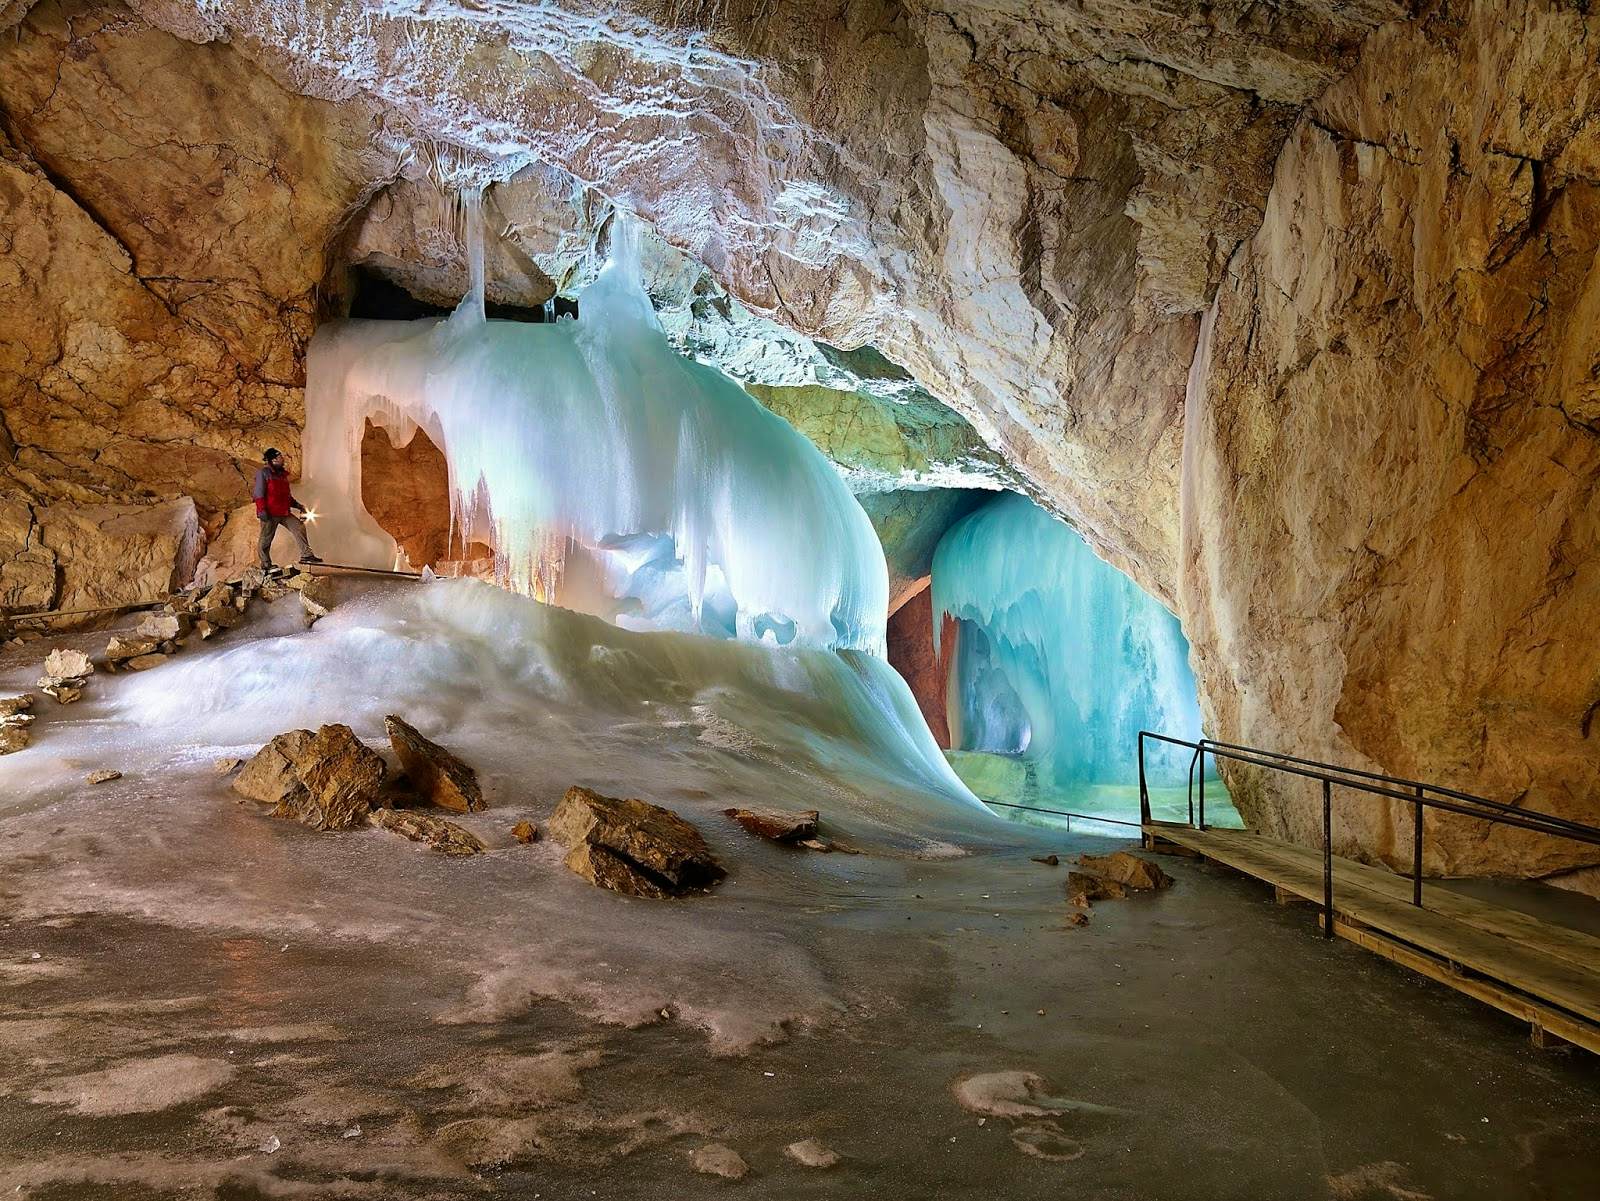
pixel 269 527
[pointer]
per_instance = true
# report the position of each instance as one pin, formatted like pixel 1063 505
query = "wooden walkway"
pixel 1545 974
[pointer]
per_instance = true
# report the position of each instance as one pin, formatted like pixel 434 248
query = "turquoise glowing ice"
pixel 1060 658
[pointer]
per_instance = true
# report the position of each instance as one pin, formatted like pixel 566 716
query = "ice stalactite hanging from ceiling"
pixel 611 474
pixel 1060 658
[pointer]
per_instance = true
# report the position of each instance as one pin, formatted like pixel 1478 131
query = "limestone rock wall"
pixel 166 216
pixel 1395 493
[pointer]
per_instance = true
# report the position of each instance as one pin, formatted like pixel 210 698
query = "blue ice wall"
pixel 1061 658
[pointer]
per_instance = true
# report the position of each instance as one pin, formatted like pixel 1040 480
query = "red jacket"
pixel 272 495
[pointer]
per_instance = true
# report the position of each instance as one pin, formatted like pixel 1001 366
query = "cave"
pixel 982 601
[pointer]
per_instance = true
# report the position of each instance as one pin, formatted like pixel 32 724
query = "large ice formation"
pixel 1060 658
pixel 610 474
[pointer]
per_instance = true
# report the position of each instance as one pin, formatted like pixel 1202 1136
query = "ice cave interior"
pixel 597 467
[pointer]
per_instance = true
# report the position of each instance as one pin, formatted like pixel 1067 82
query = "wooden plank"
pixel 1563 942
pixel 1522 965
pixel 1543 1019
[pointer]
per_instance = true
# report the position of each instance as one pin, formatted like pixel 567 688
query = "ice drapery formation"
pixel 1060 657
pixel 610 474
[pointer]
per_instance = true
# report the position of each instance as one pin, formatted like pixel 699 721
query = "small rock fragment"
pixel 104 776
pixel 714 1159
pixel 162 627
pixel 146 662
pixel 420 826
pixel 316 595
pixel 777 825
pixel 1076 917
pixel 811 1154
pixel 12 705
pixel 437 774
pixel 13 736
pixel 219 617
pixel 64 691
pixel 525 832
pixel 1048 860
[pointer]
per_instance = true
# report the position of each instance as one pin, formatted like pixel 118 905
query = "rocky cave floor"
pixel 199 1000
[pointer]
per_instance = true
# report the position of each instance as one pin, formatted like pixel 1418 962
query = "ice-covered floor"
pixel 199 1000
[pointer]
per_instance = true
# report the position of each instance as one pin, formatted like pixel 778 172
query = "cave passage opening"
pixel 1052 662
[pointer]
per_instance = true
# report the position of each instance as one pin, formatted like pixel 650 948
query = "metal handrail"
pixel 1449 800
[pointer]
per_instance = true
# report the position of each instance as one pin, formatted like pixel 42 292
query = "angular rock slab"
pixel 631 846
pixel 270 777
pixel 441 835
pixel 438 775
pixel 777 825
pixel 328 780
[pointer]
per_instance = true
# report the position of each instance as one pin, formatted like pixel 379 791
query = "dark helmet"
pixel 272 452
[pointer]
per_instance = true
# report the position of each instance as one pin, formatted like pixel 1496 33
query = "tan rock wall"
pixel 1396 462
pixel 166 215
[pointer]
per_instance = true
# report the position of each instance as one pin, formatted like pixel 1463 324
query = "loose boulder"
pixel 525 832
pixel 271 777
pixel 328 780
pixel 437 774
pixel 444 836
pixel 162 627
pixel 341 777
pixel 777 825
pixel 14 722
pixel 631 846
pixel 1083 887
pixel 104 776
pixel 1138 874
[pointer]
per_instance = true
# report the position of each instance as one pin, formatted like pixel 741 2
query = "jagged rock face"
pixel 1396 493
pixel 1023 209
pixel 166 214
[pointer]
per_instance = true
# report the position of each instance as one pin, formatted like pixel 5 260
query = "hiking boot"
pixel 309 559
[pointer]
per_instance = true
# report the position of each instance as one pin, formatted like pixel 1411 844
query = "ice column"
pixel 611 474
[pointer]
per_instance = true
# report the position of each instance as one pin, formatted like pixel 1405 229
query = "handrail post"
pixel 1327 857
pixel 1202 753
pixel 1144 792
pixel 1416 852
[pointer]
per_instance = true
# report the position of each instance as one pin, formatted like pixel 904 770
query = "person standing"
pixel 275 506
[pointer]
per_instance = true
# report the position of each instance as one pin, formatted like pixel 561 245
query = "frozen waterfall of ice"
pixel 610 474
pixel 1061 658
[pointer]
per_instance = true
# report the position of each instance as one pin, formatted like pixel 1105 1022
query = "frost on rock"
pixel 1060 659
pixel 612 475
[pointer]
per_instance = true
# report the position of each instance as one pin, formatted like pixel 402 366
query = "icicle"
pixel 472 306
